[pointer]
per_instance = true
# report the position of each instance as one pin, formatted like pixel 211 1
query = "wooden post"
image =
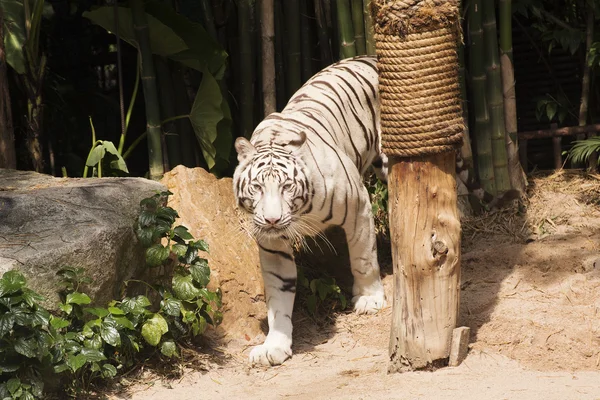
pixel 557 149
pixel 422 126
pixel 523 154
pixel 425 235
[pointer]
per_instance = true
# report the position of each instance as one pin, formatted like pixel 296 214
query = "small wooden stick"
pixel 459 346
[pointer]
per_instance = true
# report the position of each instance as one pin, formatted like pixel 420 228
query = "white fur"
pixel 302 172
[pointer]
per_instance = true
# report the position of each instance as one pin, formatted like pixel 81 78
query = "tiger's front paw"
pixel 269 354
pixel 369 304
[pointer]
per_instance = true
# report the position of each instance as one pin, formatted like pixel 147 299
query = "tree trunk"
pixel 466 152
pixel 246 100
pixel 585 85
pixel 280 73
pixel 495 98
pixel 324 36
pixel 483 140
pixel 8 155
pixel 305 41
pixel 148 76
pixel 293 74
pixel 425 231
pixel 267 30
pixel 518 179
pixel 346 29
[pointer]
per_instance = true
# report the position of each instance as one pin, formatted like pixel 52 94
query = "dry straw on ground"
pixel 558 202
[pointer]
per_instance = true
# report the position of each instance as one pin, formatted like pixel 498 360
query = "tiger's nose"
pixel 273 220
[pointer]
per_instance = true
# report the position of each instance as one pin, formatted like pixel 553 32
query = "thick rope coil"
pixel 416 45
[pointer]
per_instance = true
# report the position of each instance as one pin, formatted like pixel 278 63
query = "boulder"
pixel 206 206
pixel 47 223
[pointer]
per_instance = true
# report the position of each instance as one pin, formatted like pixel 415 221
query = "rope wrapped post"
pixel 422 125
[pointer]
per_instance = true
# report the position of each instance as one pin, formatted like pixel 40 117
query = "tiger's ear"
pixel 296 144
pixel 244 149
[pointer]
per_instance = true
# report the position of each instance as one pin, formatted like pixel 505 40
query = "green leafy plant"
pixel 84 343
pixel 26 339
pixel 549 108
pixel 186 305
pixel 322 293
pixel 175 37
pixel 104 156
pixel 379 204
pixel 582 150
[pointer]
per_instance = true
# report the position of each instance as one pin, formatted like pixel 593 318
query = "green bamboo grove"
pixel 210 71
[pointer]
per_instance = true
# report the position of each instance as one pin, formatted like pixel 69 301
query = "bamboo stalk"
pixel 485 166
pixel 167 110
pixel 293 74
pixel 208 20
pixel 134 93
pixel 245 16
pixel 346 29
pixel 518 179
pixel 305 41
pixel 369 30
pixel 495 98
pixel 268 56
pixel 323 31
pixel 359 27
pixel 148 76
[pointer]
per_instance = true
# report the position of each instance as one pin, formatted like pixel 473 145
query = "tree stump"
pixel 422 126
pixel 425 234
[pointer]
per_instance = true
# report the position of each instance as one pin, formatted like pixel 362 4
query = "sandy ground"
pixel 530 293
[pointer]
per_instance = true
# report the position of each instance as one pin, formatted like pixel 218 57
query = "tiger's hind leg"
pixel 367 291
pixel 279 277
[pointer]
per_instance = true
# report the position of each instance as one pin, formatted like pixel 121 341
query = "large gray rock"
pixel 47 223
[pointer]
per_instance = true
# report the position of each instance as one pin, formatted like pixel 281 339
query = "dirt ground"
pixel 530 294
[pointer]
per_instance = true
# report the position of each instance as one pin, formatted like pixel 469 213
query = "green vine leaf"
pixel 110 334
pixel 11 282
pixel 184 288
pixel 200 272
pixel 26 347
pixel 135 305
pixel 75 362
pixel 78 298
pixel 169 349
pixel 154 328
pixel 156 255
pixel 92 355
pixel 183 232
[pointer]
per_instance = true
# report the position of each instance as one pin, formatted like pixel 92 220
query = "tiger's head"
pixel 272 186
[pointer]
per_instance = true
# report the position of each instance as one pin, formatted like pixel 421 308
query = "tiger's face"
pixel 270 184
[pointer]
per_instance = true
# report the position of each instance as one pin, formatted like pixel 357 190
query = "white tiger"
pixel 301 172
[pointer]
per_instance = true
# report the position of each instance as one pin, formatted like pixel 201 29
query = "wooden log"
pixel 425 233
pixel 566 131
